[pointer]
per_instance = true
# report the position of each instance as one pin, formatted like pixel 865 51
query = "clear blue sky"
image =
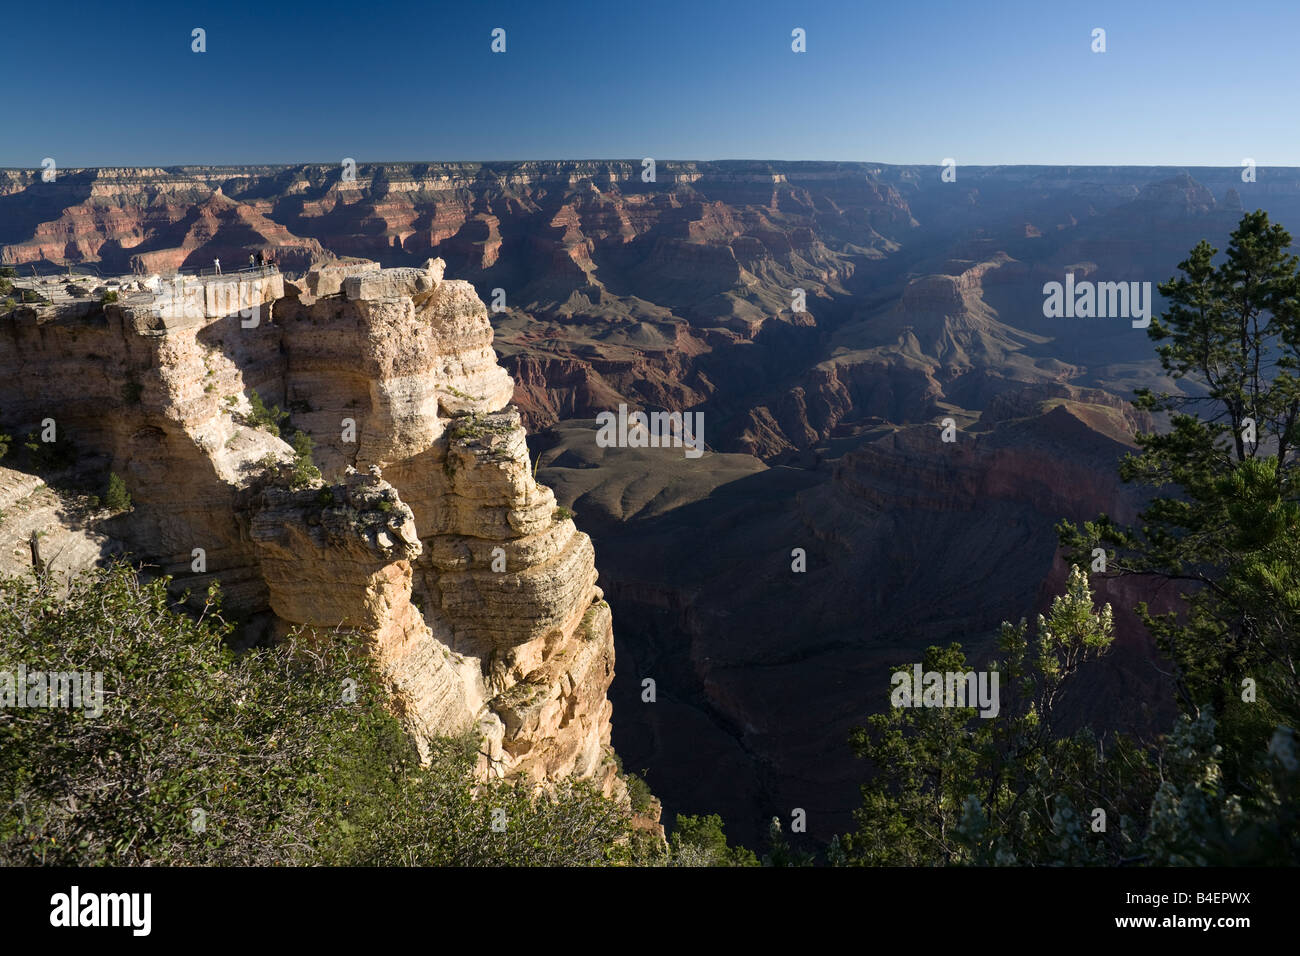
pixel 1182 83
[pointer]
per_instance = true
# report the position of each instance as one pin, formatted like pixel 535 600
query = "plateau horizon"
pixel 50 173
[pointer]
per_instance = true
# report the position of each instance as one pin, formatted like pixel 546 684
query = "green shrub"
pixel 472 425
pixel 115 498
pixel 304 471
pixel 638 792
pixel 438 821
pixel 5 442
pixel 109 297
pixel 47 456
pixel 702 841
pixel 781 853
pixel 290 752
pixel 186 726
pixel 562 514
pixel 266 418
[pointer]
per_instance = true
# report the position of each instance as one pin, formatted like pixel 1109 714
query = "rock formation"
pixel 426 534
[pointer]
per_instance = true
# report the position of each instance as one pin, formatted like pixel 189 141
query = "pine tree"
pixel 116 498
pixel 1223 524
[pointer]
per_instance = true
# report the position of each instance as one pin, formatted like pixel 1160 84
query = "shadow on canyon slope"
pixel 761 672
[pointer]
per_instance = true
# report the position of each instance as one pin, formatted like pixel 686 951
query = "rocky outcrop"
pixel 425 534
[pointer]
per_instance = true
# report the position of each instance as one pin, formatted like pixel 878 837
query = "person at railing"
pixel 216 264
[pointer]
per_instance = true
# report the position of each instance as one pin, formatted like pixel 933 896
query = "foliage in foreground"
pixel 951 787
pixel 280 756
pixel 702 841
pixel 1223 525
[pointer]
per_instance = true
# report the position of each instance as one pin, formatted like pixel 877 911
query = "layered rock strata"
pixel 426 534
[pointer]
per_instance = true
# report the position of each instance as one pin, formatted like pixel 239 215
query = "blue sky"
pixel 1186 83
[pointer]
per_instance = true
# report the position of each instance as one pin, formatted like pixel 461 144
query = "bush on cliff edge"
pixel 279 756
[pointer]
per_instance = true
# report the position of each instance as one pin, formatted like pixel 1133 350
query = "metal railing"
pixel 52 289
pixel 47 296
pixel 52 295
pixel 78 269
pixel 211 272
pixel 75 271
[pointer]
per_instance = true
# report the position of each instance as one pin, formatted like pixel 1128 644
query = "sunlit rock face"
pixel 425 534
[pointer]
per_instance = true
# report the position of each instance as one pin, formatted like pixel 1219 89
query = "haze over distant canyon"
pixel 921 300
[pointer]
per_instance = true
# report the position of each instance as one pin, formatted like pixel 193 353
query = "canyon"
pixel 823 318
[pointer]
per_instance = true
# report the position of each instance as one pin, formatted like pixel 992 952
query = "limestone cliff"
pixel 426 534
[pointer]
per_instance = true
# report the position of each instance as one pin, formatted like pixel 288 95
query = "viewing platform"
pixel 187 294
